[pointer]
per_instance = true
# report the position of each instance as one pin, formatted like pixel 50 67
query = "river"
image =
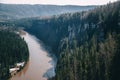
pixel 40 65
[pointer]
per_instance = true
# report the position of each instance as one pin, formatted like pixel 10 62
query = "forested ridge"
pixel 87 44
pixel 13 49
pixel 13 11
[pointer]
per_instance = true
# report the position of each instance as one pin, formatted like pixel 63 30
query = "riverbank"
pixel 41 64
pixel 13 49
pixel 20 65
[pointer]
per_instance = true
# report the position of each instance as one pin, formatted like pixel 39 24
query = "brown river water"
pixel 40 66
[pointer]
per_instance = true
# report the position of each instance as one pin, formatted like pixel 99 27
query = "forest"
pixel 87 44
pixel 13 49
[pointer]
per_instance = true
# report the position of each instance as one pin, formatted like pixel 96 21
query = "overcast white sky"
pixel 58 2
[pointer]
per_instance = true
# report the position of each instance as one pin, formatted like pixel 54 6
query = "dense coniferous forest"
pixel 86 43
pixel 13 49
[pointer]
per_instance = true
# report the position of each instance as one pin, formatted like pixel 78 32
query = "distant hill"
pixel 12 11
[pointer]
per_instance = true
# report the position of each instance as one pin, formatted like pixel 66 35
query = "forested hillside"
pixel 13 11
pixel 13 49
pixel 86 43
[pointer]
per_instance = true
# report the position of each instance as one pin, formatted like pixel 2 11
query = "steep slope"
pixel 87 43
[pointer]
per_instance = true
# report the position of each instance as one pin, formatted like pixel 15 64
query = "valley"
pixel 40 65
pixel 83 43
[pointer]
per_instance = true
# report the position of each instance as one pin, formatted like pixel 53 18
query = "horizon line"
pixel 57 4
